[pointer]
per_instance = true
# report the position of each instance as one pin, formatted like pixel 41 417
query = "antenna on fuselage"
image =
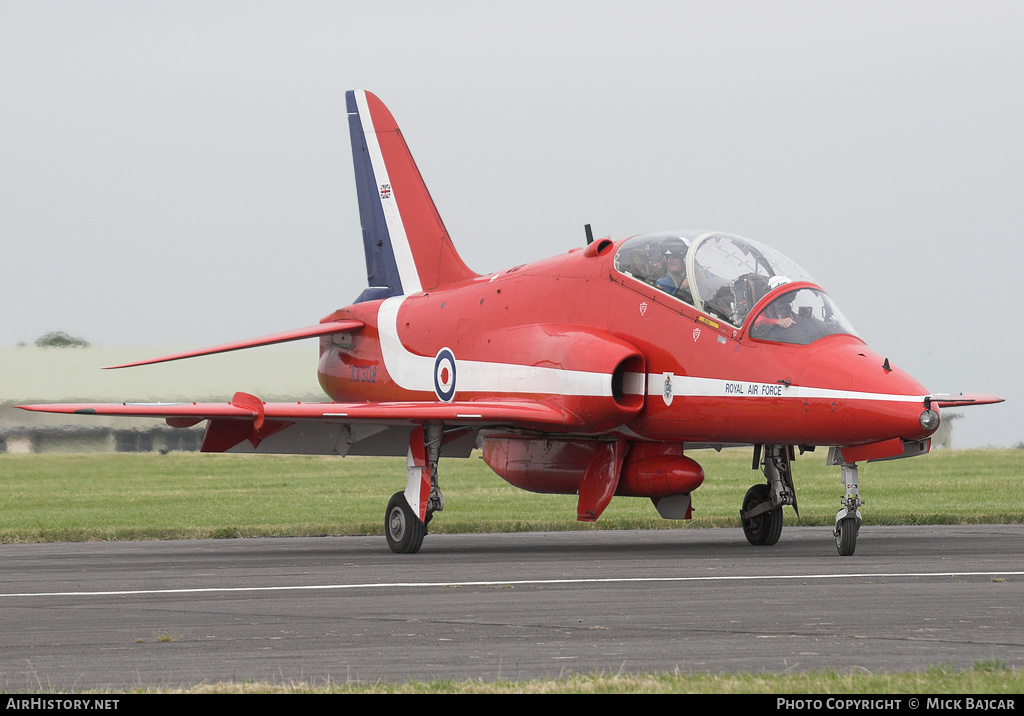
pixel 590 234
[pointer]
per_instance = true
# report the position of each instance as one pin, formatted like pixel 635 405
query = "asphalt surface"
pixel 509 606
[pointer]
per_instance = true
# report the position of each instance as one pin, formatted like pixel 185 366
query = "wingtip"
pixel 57 408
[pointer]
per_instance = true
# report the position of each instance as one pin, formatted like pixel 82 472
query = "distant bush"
pixel 60 339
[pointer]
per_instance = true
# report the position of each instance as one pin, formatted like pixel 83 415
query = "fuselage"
pixel 623 356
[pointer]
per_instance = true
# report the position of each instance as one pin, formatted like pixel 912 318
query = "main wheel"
pixel 846 536
pixel 402 526
pixel 765 528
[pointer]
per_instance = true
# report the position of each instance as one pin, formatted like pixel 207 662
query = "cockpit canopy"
pixel 725 276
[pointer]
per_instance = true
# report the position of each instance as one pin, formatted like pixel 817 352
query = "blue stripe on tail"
pixel 381 268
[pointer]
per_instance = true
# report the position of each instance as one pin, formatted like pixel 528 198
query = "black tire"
pixel 765 528
pixel 403 528
pixel 846 536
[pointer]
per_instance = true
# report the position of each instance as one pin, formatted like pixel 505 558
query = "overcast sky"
pixel 179 173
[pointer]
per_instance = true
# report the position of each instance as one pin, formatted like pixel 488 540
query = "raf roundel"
pixel 444 375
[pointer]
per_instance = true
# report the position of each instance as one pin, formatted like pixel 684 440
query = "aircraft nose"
pixel 868 399
pixel 898 404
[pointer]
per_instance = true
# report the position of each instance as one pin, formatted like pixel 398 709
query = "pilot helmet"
pixel 673 247
pixel 775 281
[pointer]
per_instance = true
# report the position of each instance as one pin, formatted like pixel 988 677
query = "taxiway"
pixel 510 606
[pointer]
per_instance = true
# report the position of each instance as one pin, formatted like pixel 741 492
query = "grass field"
pixel 192 495
pixel 995 682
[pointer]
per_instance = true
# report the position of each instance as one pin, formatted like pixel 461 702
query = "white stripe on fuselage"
pixel 415 372
pixel 695 387
pixel 396 228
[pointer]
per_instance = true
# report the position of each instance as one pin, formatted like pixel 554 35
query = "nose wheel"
pixel 846 535
pixel 848 519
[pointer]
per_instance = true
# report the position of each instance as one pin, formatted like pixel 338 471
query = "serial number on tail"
pixel 362 373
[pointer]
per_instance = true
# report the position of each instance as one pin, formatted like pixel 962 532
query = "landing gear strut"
pixel 761 512
pixel 407 514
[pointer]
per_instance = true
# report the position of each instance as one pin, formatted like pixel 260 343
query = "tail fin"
pixel 407 247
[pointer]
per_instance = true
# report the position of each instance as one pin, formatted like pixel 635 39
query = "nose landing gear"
pixel 848 519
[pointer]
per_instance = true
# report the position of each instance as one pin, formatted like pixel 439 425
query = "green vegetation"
pixel 60 339
pixel 190 495
pixel 981 679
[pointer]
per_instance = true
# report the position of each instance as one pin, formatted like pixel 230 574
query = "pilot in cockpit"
pixel 778 313
pixel 675 281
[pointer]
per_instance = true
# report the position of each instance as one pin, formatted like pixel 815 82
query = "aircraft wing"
pixel 945 400
pixel 323 428
pixel 248 408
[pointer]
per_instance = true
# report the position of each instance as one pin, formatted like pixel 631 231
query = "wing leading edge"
pixel 247 407
pixel 321 329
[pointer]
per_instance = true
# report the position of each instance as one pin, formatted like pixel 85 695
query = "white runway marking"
pixel 512 582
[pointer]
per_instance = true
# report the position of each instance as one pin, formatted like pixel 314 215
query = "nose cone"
pixel 854 396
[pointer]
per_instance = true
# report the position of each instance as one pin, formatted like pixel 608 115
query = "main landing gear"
pixel 761 512
pixel 409 512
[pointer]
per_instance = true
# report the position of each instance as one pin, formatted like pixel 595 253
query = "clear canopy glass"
pixel 725 276
pixel 800 316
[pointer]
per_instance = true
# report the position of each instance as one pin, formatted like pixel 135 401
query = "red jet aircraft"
pixel 593 373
